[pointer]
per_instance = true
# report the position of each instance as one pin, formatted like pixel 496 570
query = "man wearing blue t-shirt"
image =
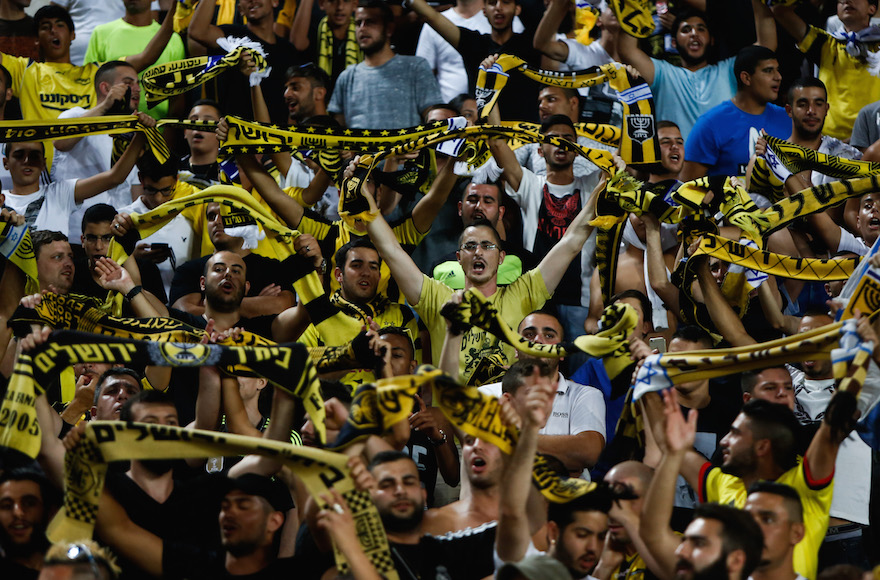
pixel 723 140
pixel 683 93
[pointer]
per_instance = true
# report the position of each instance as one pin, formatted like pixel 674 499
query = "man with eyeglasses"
pixel 480 255
pixel 83 560
pixel 96 239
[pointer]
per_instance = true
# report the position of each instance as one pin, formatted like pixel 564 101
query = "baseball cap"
pixel 538 567
pixel 273 491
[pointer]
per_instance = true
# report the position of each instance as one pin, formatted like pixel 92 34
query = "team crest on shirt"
pixel 640 127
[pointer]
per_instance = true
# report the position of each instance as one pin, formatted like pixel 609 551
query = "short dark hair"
pixel 115 372
pixel 546 311
pixel 9 144
pixel 151 397
pixel 53 11
pixel 647 309
pixel 695 334
pixel 739 531
pixel 687 15
pixel 208 103
pixel 794 505
pixel 155 169
pixel 360 242
pixel 518 371
pixel 483 223
pixel 400 331
pixel 382 6
pixel 41 238
pixel 98 213
pixel 556 120
pixel 747 60
pixel 748 379
pixel 668 125
pixel 108 69
pixel 389 456
pixel 440 107
pixel 567 91
pixel 458 101
pixel 803 83
pixel 562 514
pixel 778 424
pixel 7 76
pixel 50 495
pixel 317 76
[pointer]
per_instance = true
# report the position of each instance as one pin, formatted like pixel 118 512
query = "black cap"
pixel 273 491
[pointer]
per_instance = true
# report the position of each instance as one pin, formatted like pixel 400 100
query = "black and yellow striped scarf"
pixel 286 366
pixel 353 52
pixel 638 142
pixel 85 468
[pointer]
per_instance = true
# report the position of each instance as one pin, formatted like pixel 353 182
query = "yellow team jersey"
pixel 332 235
pixel 345 329
pixel 47 89
pixel 850 85
pixel 722 488
pixel 514 302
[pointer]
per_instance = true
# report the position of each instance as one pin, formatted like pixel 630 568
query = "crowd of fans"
pixel 753 475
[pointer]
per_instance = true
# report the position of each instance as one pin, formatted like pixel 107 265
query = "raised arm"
pixel 504 156
pixel 407 275
pixel 299 32
pixel 153 50
pixel 200 27
pixel 545 35
pixel 790 21
pixel 95 184
pixel 660 540
pixel 285 206
pixel 765 26
pixel 657 273
pixel 513 534
pixel 437 21
pixel 725 319
pixel 426 210
pixel 630 53
pixel 556 262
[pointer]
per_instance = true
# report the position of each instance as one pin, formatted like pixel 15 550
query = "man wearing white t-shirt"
pixel 575 429
pixel 90 155
pixel 548 204
pixel 49 207
pixel 175 242
pixel 444 59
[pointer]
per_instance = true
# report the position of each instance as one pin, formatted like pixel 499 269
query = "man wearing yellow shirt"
pixel 480 255
pixel 842 58
pixel 47 88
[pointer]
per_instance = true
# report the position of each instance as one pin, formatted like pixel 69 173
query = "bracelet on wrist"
pixel 134 292
pixel 438 442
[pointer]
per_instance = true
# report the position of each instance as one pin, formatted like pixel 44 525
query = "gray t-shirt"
pixel 866 129
pixel 390 96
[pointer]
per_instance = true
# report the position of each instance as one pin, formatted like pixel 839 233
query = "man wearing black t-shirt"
pixel 516 101
pixel 269 286
pixel 231 87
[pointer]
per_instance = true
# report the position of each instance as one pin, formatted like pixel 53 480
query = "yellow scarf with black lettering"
pixel 635 16
pixel 170 79
pixel 638 142
pixel 43 130
pixel 353 52
pixel 85 468
pixel 287 366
